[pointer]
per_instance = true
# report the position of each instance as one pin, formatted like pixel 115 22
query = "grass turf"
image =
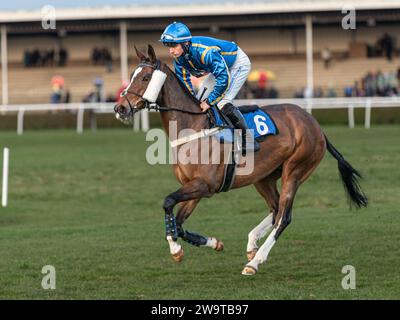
pixel 90 206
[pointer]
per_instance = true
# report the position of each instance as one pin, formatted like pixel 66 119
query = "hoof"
pixel 177 257
pixel 249 271
pixel 219 246
pixel 251 254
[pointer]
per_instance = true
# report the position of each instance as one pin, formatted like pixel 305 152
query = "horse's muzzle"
pixel 124 114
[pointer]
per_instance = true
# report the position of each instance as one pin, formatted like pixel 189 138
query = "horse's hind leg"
pixel 295 171
pixel 185 210
pixel 268 190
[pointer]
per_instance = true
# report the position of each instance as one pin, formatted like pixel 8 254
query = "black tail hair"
pixel 349 177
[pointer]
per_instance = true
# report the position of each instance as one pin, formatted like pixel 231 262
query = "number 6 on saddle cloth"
pixel 257 120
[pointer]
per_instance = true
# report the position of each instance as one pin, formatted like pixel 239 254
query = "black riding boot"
pixel 237 119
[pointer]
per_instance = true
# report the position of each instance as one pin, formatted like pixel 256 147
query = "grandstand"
pixel 290 77
pixel 273 34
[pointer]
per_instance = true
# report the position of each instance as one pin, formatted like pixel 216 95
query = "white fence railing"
pixel 141 120
pixel 76 108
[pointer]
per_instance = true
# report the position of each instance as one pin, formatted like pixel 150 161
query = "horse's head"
pixel 144 87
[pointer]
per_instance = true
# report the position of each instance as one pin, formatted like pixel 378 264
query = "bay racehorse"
pixel 291 156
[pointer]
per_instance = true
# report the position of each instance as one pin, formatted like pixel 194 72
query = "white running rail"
pixel 141 120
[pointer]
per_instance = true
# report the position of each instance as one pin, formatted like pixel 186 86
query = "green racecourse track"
pixel 91 206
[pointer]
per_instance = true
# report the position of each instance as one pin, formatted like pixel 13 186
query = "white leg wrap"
pixel 174 246
pixel 211 242
pixel 262 253
pixel 258 232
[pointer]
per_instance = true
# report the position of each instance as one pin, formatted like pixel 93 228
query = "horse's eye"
pixel 146 77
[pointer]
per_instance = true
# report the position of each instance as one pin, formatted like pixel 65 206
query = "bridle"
pixel 150 105
pixel 126 91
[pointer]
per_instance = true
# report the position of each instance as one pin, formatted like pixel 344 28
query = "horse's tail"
pixel 349 177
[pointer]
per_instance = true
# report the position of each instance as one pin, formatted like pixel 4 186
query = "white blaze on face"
pixel 137 71
pixel 154 87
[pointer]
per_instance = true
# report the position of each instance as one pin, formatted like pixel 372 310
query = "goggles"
pixel 170 44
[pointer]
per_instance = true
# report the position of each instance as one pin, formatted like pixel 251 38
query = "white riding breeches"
pixel 238 75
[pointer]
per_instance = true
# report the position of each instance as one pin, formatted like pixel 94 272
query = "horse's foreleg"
pixel 190 237
pixel 184 212
pixel 193 190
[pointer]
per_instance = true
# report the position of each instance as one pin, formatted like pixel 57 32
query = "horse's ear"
pixel 152 54
pixel 140 55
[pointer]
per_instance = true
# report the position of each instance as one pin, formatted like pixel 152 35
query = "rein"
pixel 156 107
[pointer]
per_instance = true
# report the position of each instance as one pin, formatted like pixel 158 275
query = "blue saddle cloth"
pixel 257 120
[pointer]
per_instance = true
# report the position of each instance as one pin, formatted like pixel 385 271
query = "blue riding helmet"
pixel 176 32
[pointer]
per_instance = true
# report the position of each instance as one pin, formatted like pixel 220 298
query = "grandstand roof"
pixel 231 7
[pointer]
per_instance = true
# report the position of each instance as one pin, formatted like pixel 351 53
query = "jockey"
pixel 225 64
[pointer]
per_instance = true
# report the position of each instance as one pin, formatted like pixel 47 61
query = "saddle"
pixel 257 120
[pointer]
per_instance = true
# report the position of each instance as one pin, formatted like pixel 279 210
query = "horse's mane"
pixel 184 88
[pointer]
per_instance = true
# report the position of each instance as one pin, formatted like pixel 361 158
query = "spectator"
pixel 272 92
pixel 380 84
pixel 391 84
pixel 356 90
pixel 318 92
pixel 348 91
pixel 97 95
pixel 50 57
pixel 102 56
pixel 35 57
pixel 63 57
pixel 38 58
pixel 369 84
pixel 56 94
pixel 27 57
pixel 42 58
pixel 299 94
pixel 260 92
pixel 96 56
pixel 326 56
pixel 331 93
pixel 107 58
pixel 387 46
pixel 57 83
pixel 67 96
